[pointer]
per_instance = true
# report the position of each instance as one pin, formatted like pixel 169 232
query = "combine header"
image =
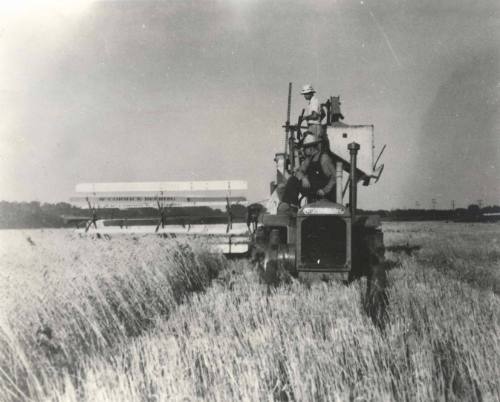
pixel 218 229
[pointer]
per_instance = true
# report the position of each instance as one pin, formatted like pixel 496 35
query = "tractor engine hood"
pixel 323 207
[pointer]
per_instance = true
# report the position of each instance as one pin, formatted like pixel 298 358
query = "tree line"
pixel 473 213
pixel 14 215
pixel 34 214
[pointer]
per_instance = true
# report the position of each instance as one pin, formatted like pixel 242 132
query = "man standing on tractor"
pixel 313 114
pixel 315 178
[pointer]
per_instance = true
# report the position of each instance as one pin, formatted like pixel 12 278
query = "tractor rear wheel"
pixel 369 261
pixel 376 300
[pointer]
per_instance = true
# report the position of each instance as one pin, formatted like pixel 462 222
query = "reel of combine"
pixel 93 216
pixel 162 216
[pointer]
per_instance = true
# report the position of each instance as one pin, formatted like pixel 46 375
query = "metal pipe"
pixel 289 106
pixel 338 180
pixel 353 148
pixel 347 183
pixel 287 124
pixel 379 155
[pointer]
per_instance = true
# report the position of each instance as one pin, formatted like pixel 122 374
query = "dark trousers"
pixel 319 131
pixel 293 188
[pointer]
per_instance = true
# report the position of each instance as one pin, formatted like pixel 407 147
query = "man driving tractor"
pixel 315 177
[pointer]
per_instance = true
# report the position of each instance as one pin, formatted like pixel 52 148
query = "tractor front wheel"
pixel 276 267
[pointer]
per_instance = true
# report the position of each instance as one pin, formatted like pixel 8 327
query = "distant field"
pixel 145 319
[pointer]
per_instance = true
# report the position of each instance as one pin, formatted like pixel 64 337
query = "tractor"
pixel 324 240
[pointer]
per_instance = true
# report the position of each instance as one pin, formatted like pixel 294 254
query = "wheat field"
pixel 150 319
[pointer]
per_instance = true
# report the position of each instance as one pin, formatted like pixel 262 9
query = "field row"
pixel 144 319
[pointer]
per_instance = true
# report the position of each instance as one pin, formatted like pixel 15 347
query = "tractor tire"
pixel 275 268
pixel 369 261
pixel 376 299
pixel 270 272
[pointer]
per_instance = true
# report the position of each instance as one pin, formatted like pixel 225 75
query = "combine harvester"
pixel 323 239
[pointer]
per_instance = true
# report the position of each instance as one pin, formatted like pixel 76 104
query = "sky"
pixel 197 90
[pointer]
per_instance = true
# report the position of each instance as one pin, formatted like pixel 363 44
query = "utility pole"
pixel 453 205
pixel 434 203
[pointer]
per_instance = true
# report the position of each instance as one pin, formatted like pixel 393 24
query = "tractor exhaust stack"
pixel 353 150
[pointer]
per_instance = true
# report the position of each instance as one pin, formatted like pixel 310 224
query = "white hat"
pixel 310 139
pixel 307 89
